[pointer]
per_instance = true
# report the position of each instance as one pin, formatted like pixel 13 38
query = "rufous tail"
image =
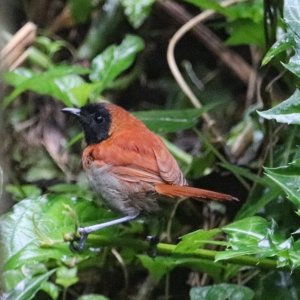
pixel 190 192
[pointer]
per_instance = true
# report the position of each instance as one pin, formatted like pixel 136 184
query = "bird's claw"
pixel 78 243
pixel 153 241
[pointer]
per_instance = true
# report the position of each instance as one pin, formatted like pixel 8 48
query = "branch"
pixel 168 249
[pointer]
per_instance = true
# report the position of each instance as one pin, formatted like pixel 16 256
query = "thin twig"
pixel 232 60
pixel 120 259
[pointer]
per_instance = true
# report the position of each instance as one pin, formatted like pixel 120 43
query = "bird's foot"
pixel 79 241
pixel 153 241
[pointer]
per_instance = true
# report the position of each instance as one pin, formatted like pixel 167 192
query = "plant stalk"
pixel 168 249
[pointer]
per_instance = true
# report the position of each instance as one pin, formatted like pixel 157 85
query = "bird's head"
pixel 95 120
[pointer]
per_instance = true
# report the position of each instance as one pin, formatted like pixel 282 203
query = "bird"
pixel 128 165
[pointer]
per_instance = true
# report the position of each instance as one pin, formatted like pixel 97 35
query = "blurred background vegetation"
pixel 218 101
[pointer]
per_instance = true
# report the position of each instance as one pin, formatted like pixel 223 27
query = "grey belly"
pixel 120 196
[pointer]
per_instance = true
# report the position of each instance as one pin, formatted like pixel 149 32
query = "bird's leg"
pixel 79 243
pixel 153 239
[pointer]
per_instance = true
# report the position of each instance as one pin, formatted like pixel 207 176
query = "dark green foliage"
pixel 247 250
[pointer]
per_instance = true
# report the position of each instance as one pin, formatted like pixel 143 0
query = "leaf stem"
pixel 168 249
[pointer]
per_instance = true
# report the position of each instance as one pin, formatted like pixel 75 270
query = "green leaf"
pixel 195 240
pixel 280 46
pixel 51 289
pixel 250 230
pixel 23 191
pixel 288 179
pixel 246 32
pixel 221 291
pixel 287 111
pixel 159 266
pixel 137 11
pixel 10 279
pixel 27 288
pixel 291 13
pixel 114 60
pixel 58 82
pixel 92 297
pixel 164 121
pixel 81 9
pixel 244 237
pixel 105 26
pixel 254 204
pixel 266 285
pixel 51 47
pixel 66 276
pixel 34 230
pixel 256 235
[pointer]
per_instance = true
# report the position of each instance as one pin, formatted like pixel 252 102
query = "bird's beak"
pixel 73 111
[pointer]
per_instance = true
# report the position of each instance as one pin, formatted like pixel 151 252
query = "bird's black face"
pixel 95 120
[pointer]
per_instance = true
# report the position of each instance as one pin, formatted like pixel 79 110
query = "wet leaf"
pixel 288 179
pixel 221 291
pixel 34 230
pixel 287 111
pixel 137 11
pixel 114 60
pixel 58 82
pixel 27 288
pixel 195 240
pixel 280 46
pixel 51 289
pixel 81 9
pixel 163 121
pixel 159 266
pixel 66 276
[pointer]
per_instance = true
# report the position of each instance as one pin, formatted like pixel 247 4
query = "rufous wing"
pixel 136 156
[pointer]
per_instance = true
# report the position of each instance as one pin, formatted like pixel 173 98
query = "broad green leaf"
pixel 287 111
pixel 34 230
pixel 244 20
pixel 105 26
pixel 250 230
pixel 291 11
pixel 66 276
pixel 280 46
pixel 244 237
pixel 50 47
pixel 137 11
pixel 51 289
pixel 114 60
pixel 291 14
pixel 246 32
pixel 58 82
pixel 164 121
pixel 221 291
pixel 252 10
pixel 10 279
pixel 256 235
pixel 81 9
pixel 18 76
pixel 288 179
pixel 254 204
pixel 277 285
pixel 27 288
pixel 92 297
pixel 195 240
pixel 23 191
pixel 160 266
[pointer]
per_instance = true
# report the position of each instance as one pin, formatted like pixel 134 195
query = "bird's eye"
pixel 99 119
